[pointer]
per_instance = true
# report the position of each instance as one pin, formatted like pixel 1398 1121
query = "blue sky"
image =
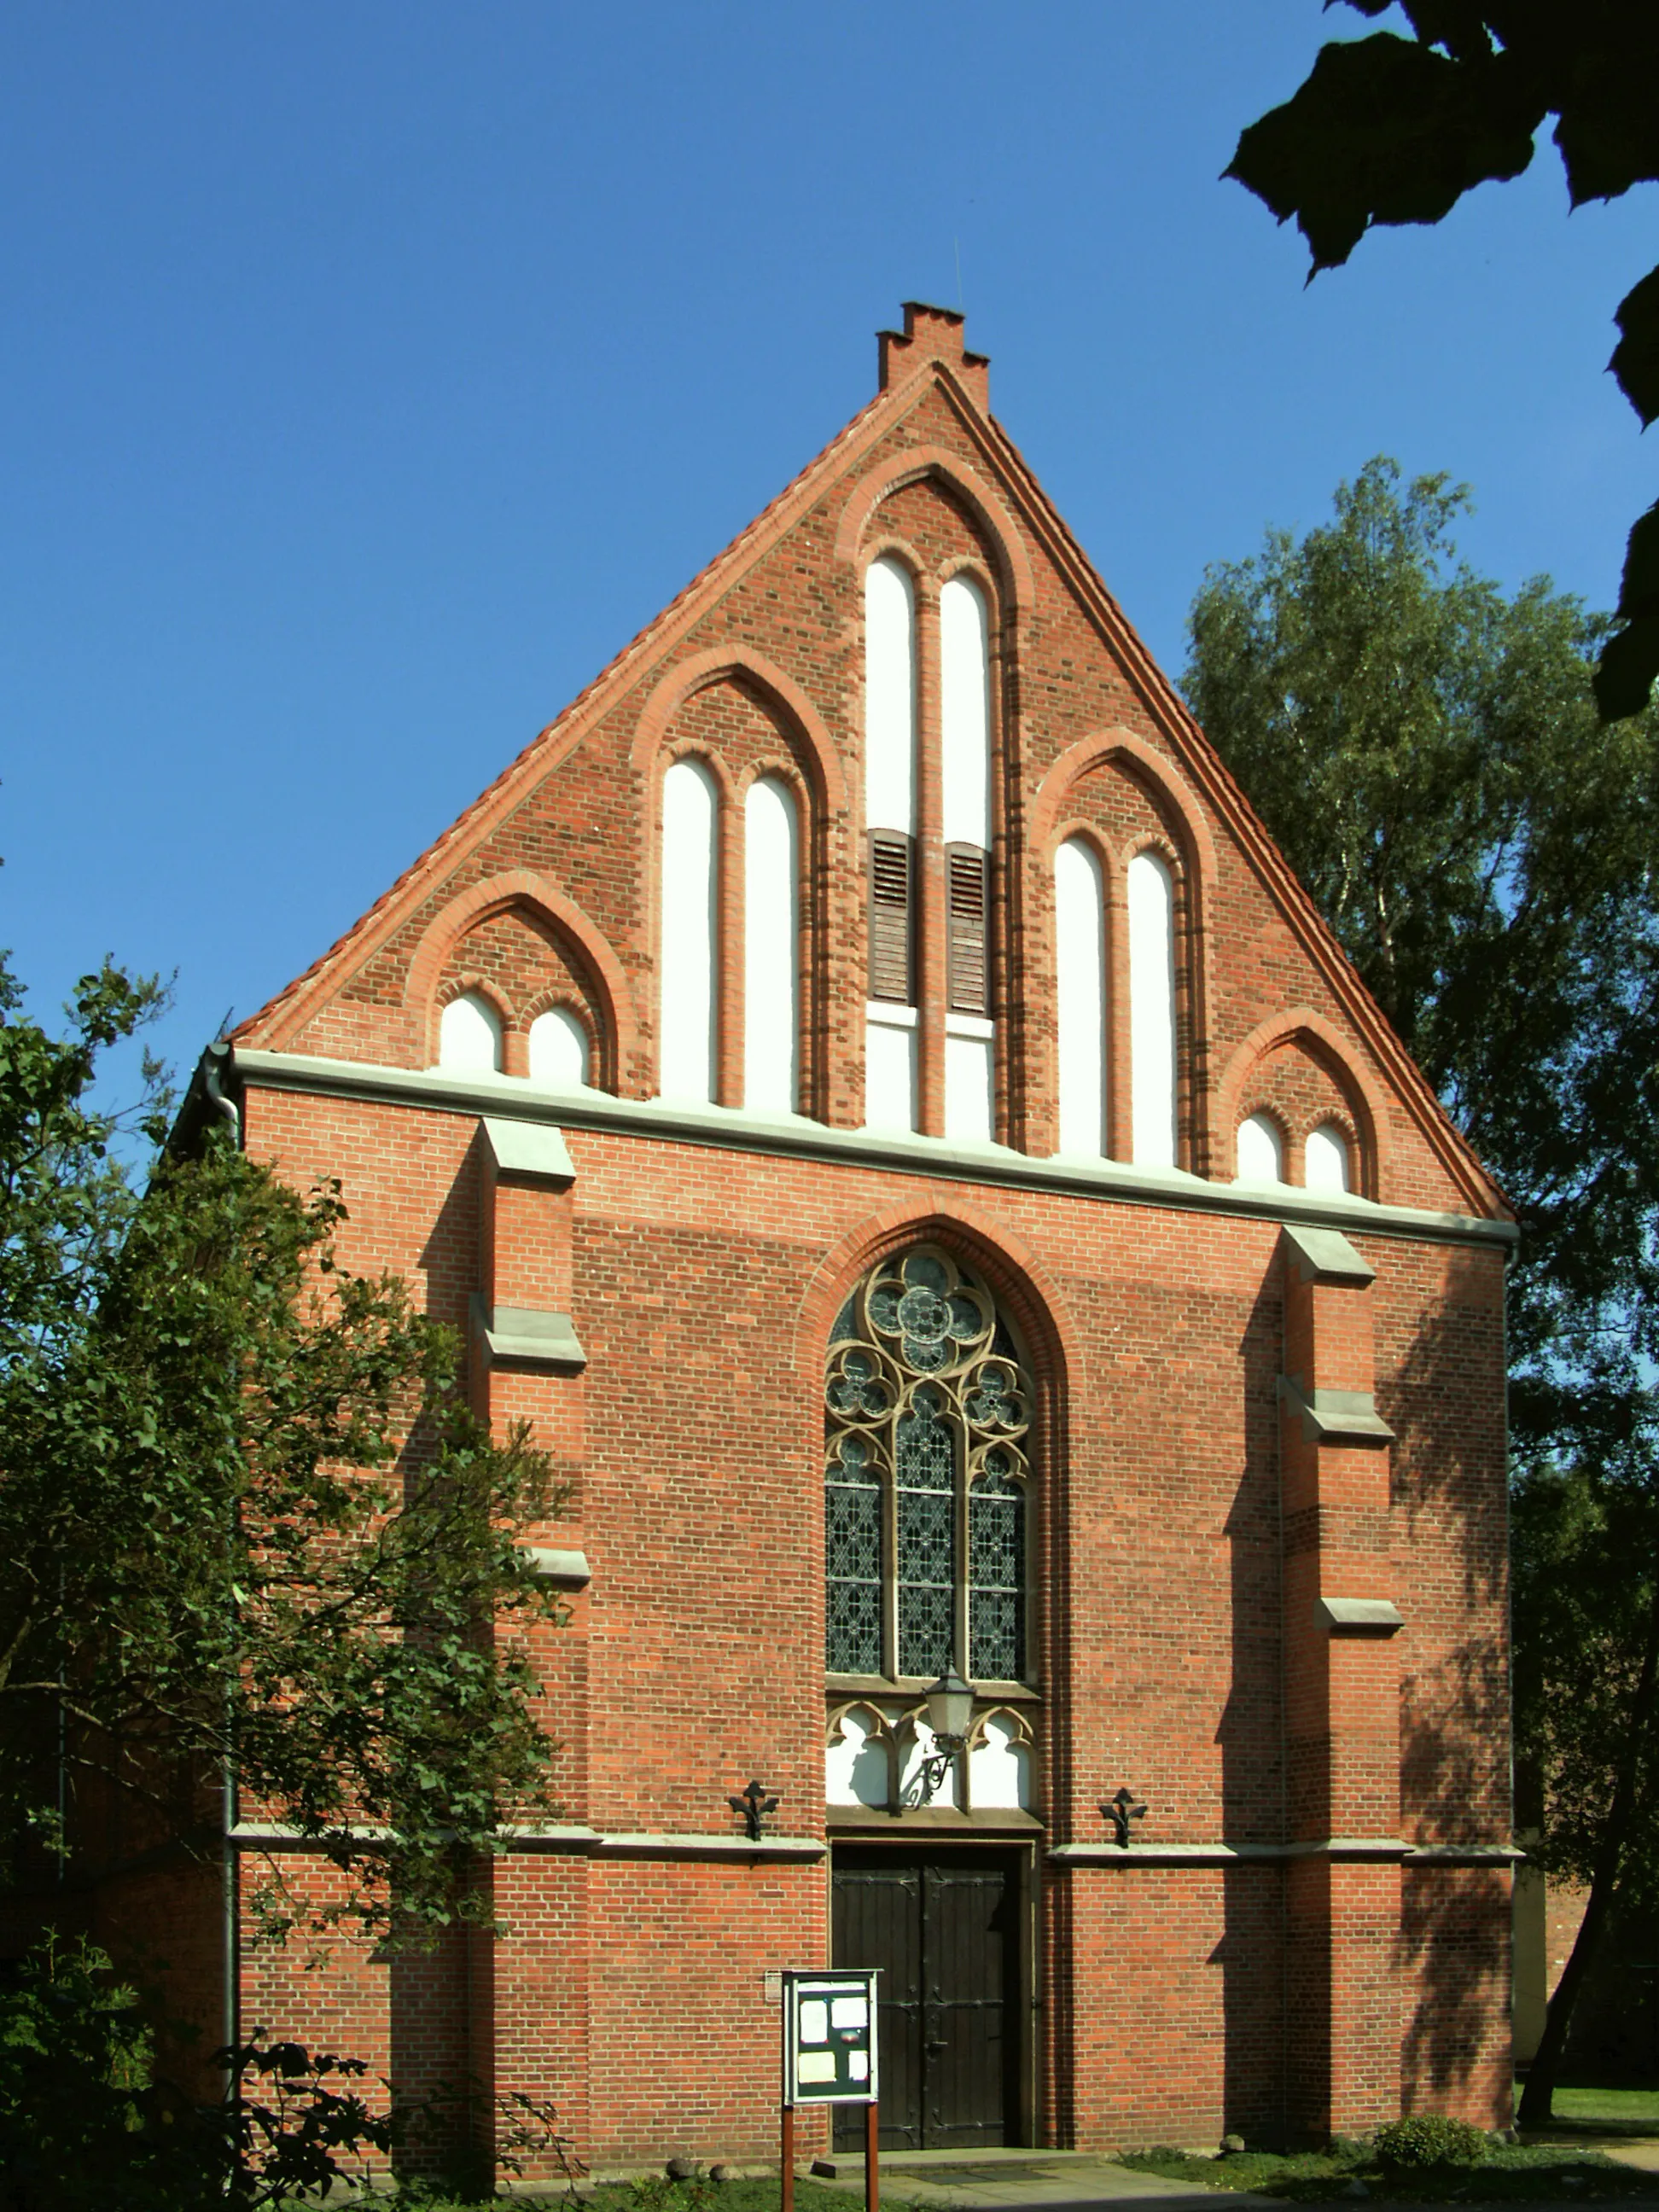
pixel 371 372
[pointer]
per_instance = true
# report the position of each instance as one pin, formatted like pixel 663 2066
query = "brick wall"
pixel 1183 1531
pixel 696 1280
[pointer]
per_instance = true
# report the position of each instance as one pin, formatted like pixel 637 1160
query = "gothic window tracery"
pixel 927 1407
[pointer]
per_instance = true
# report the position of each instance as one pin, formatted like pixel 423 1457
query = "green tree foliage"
pixel 1585 1539
pixel 86 2125
pixel 248 1527
pixel 1396 130
pixel 1429 755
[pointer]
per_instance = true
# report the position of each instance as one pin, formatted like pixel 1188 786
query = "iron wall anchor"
pixel 1119 1811
pixel 754 1805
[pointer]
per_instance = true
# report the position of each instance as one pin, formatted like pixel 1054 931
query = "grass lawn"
pixel 656 2194
pixel 1543 2172
pixel 1607 2112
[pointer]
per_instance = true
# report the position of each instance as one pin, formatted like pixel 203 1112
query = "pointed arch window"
pixel 928 1410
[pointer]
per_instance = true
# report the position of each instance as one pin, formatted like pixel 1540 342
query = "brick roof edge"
pixel 277 1020
pixel 565 726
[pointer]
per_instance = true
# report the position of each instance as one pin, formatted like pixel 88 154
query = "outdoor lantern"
pixel 949 1716
pixel 950 1709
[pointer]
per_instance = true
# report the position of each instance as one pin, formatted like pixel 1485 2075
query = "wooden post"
pixel 872 2136
pixel 786 2170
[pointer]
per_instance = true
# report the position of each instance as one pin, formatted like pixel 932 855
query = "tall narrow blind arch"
pixel 964 644
pixel 890 698
pixel 688 969
pixel 965 714
pixel 1151 1011
pixel 890 1091
pixel 1081 979
pixel 771 1014
pixel 928 1407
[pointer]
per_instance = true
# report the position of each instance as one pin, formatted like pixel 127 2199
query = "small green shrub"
pixel 656 2192
pixel 1429 2139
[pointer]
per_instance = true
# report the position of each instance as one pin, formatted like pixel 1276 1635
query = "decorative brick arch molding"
pixel 1051 815
pixel 774 690
pixel 1097 751
pixel 1029 1294
pixel 980 498
pixel 565 922
pixel 1020 1280
pixel 816 774
pixel 1302 1026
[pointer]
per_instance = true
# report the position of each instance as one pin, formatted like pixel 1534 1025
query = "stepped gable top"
pixel 928 354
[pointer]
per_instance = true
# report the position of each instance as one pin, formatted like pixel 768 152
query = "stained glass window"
pixel 851 1524
pixel 927 1564
pixel 996 1570
pixel 926 1406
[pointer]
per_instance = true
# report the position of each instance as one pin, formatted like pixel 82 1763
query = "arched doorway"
pixel 928 1410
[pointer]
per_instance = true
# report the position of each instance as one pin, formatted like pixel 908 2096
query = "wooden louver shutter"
pixel 968 872
pixel 890 908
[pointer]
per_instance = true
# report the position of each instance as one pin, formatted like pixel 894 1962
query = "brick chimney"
pixel 933 334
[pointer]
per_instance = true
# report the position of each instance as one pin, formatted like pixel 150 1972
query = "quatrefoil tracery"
pixel 926 1405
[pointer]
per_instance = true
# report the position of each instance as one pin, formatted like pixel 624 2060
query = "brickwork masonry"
pixel 1268 1528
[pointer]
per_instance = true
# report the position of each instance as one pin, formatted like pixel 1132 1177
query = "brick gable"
pixel 1264 1465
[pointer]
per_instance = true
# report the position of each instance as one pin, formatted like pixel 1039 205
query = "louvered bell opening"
pixel 890 917
pixel 968 872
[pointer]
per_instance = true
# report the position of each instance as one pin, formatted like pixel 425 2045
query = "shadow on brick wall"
pixel 1251 1950
pixel 1448 1479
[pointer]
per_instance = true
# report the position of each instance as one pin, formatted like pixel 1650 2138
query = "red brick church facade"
pixel 865 1085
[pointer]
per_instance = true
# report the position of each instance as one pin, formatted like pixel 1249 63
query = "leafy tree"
pixel 1585 1539
pixel 1396 130
pixel 86 2125
pixel 1429 755
pixel 249 1530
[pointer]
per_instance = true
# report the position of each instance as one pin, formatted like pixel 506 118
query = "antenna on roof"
pixel 225 1021
pixel 962 305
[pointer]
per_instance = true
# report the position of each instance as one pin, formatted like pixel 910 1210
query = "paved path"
pixel 1044 2181
pixel 1630 2150
pixel 1079 2181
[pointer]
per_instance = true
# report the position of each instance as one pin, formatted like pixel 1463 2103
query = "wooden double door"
pixel 945 1928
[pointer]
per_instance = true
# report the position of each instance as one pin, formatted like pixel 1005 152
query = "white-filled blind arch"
pixel 965 648
pixel 1260 1151
pixel 688 969
pixel 470 1035
pixel 890 697
pixel 891 1067
pixel 1150 903
pixel 964 625
pixel 560 1053
pixel 771 989
pixel 1326 1163
pixel 1080 996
